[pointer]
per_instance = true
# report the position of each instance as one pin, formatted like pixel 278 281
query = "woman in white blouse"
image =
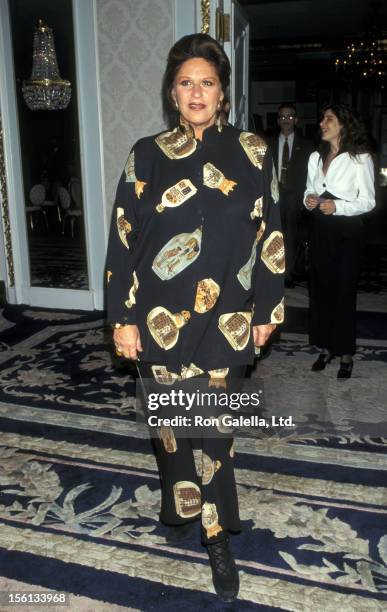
pixel 340 188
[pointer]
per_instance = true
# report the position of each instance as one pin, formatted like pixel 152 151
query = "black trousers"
pixel 196 473
pixel 336 249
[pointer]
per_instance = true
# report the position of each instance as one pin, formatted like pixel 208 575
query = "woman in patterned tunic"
pixel 195 277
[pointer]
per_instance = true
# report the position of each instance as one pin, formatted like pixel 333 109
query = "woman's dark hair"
pixel 353 135
pixel 189 47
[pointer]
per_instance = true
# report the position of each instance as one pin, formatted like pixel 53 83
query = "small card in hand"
pixel 327 196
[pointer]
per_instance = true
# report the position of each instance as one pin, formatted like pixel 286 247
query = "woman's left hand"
pixel 328 207
pixel 261 333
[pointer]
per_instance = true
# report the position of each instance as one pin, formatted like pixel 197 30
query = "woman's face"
pixel 198 93
pixel 330 127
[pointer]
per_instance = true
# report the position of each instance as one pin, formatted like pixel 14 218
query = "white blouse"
pixel 350 179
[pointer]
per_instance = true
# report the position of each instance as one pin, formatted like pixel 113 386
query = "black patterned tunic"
pixel 196 252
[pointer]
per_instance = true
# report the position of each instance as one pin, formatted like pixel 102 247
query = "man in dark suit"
pixel 290 153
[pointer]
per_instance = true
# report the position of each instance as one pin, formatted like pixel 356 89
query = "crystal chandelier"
pixel 45 90
pixel 365 60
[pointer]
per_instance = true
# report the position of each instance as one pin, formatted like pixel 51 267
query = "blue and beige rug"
pixel 79 489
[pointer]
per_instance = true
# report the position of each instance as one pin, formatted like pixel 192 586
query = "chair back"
pixel 76 192
pixel 37 194
pixel 64 198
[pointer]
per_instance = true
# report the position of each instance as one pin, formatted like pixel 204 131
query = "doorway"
pixel 50 152
pixel 54 161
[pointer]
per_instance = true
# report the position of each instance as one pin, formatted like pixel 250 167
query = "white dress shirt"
pixel 281 142
pixel 350 179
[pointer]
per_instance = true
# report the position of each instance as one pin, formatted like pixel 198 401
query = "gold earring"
pixel 176 105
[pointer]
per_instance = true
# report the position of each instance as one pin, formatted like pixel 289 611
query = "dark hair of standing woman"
pixel 190 47
pixel 353 137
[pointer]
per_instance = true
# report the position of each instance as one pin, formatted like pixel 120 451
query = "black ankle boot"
pixel 224 573
pixel 179 533
pixel 345 369
pixel 322 362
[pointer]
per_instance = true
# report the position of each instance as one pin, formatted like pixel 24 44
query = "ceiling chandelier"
pixel 45 90
pixel 366 59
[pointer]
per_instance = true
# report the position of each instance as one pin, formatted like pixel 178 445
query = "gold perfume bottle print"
pixel 207 293
pixel 139 188
pixel 129 169
pixel 215 179
pixel 162 376
pixel 261 231
pixel 278 314
pixel 235 326
pixel 244 274
pixel 209 468
pixel 274 187
pixel 222 424
pixel 179 252
pixel 218 378
pixel 187 498
pixel 255 148
pixel 131 175
pixel 190 371
pixel 176 196
pixel 210 520
pixel 197 454
pixel 123 227
pixel 177 144
pixel 164 326
pixel 257 211
pixel 168 439
pixel 130 302
pixel 273 253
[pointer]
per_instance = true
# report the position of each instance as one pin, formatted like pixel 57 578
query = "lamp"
pixel 45 90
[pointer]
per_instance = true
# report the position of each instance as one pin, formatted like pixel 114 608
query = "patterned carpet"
pixel 79 490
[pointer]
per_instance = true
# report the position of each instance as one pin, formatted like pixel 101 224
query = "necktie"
pixel 285 162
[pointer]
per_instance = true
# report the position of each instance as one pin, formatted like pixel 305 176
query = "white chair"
pixel 68 211
pixel 37 195
pixel 75 191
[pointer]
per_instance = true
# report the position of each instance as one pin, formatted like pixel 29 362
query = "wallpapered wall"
pixel 134 38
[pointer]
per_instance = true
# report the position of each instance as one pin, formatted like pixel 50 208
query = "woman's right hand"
pixel 127 341
pixel 311 201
